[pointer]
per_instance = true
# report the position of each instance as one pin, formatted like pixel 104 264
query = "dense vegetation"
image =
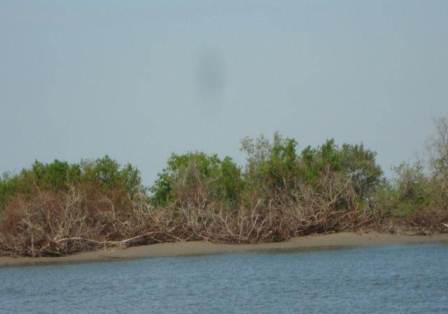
pixel 281 192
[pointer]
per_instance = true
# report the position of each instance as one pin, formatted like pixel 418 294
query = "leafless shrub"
pixel 62 223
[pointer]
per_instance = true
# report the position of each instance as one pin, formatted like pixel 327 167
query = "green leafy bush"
pixel 278 168
pixel 197 177
pixel 272 167
pixel 408 192
pixel 58 176
pixel 355 162
pixel 110 175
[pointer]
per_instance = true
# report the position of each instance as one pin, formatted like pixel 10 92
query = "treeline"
pixel 281 192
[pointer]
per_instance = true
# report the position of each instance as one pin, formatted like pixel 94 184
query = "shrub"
pixel 272 167
pixel 61 208
pixel 406 193
pixel 110 175
pixel 354 161
pixel 58 176
pixel 8 187
pixel 278 168
pixel 197 178
pixel 60 223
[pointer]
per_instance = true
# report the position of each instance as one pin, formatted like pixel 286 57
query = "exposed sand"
pixel 336 240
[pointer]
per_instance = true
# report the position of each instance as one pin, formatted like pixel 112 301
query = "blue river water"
pixel 388 279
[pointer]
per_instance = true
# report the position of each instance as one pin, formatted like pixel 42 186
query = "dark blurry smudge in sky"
pixel 211 78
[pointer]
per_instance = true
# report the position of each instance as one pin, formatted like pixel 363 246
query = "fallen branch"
pixel 140 239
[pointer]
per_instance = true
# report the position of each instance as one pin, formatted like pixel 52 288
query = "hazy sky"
pixel 140 79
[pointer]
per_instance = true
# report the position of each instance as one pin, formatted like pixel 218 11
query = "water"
pixel 392 279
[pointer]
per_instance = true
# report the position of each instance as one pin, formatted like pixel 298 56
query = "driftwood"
pixel 146 238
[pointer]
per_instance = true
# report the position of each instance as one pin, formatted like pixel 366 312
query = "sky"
pixel 138 80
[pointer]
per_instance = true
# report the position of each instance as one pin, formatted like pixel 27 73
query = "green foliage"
pixel 355 162
pixel 191 174
pixel 409 191
pixel 414 193
pixel 54 176
pixel 110 175
pixel 360 165
pixel 59 176
pixel 9 185
pixel 411 183
pixel 271 167
pixel 274 167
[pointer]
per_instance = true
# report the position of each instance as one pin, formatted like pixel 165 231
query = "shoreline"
pixel 318 241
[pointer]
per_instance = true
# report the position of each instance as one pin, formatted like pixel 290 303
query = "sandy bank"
pixel 337 240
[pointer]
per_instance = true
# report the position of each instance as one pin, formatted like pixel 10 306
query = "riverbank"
pixel 325 241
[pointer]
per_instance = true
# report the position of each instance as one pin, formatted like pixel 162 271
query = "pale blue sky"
pixel 140 79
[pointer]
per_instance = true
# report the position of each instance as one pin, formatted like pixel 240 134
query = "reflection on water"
pixel 393 279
